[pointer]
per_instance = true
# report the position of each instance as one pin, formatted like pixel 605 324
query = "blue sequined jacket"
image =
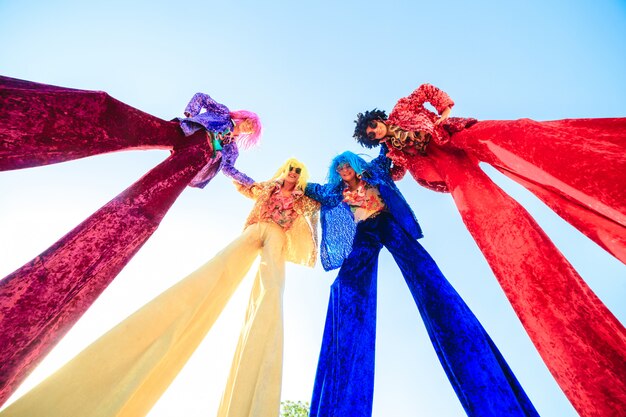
pixel 338 227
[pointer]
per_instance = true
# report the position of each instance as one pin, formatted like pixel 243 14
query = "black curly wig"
pixel 362 120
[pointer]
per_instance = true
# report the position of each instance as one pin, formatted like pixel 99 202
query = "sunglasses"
pixel 372 125
pixel 343 166
pixel 297 170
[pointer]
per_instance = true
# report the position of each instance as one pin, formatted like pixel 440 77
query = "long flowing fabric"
pixel 255 380
pixel 580 340
pixel 576 166
pixel 43 299
pixel 125 371
pixel 43 124
pixel 344 383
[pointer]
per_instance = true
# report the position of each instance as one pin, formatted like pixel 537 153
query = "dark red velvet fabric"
pixel 42 124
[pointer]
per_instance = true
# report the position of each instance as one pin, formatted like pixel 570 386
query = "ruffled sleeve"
pixel 428 93
pixel 409 112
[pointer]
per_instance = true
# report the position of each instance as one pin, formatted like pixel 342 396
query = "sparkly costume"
pixel 125 371
pixel 344 383
pixel 43 124
pixel 577 168
pixel 218 124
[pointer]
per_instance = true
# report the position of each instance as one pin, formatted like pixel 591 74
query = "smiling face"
pixel 376 129
pixel 293 175
pixel 346 172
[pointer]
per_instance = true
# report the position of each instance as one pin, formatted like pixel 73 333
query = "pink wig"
pixel 247 140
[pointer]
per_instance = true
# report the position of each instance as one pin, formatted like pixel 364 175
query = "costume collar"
pixel 296 193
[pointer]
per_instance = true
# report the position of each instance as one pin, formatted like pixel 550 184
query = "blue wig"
pixel 356 162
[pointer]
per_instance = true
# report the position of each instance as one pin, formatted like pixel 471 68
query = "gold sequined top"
pixel 404 139
pixel 302 239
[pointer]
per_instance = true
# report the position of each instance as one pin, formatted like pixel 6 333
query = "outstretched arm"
pixel 253 190
pixel 201 101
pixel 230 153
pixel 327 195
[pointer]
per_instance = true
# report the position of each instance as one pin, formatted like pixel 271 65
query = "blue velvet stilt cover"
pixel 344 384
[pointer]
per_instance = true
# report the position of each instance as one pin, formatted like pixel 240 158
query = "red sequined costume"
pixel 576 167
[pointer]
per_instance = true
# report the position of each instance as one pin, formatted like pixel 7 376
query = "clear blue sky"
pixel 307 68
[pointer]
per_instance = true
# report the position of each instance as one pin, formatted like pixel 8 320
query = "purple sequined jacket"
pixel 215 119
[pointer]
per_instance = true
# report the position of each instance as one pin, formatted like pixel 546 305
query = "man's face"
pixel 346 172
pixel 293 175
pixel 376 130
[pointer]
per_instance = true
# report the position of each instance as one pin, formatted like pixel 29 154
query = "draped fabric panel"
pixel 608 234
pixel 42 124
pixel 344 384
pixel 576 166
pixel 580 340
pixel 126 370
pixel 41 301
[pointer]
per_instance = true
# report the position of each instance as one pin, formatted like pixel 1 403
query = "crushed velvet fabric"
pixel 577 167
pixel 139 358
pixel 338 226
pixel 344 382
pixel 126 370
pixel 41 301
pixel 42 124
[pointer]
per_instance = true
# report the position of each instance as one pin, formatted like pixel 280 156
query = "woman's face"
pixel 346 172
pixel 293 175
pixel 376 130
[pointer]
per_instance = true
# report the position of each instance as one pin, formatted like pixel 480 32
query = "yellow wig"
pixel 284 170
